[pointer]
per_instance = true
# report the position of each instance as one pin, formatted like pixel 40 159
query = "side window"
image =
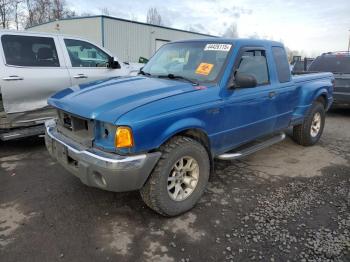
pixel 253 62
pixel 30 51
pixel 84 54
pixel 282 66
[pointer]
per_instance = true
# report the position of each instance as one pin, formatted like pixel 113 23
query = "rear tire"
pixel 310 131
pixel 179 178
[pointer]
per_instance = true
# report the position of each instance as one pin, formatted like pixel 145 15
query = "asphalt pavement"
pixel 286 202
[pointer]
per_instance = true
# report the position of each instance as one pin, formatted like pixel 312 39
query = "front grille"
pixel 67 121
pixel 79 129
pixel 74 123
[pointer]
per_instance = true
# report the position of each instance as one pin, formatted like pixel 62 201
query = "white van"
pixel 34 66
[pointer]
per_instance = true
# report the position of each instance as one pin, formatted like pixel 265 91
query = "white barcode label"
pixel 218 47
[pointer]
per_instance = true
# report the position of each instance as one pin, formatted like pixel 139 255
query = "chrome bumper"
pixel 96 168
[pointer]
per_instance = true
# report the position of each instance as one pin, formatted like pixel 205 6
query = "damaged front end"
pixel 23 124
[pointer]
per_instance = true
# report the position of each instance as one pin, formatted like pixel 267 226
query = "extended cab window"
pixel 253 62
pixel 30 51
pixel 282 66
pixel 84 54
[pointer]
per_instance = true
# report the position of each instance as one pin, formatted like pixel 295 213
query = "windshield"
pixel 197 61
pixel 331 63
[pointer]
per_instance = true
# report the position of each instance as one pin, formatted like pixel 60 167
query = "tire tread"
pixel 149 194
pixel 301 133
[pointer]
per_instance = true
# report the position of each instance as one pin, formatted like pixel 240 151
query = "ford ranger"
pixel 194 101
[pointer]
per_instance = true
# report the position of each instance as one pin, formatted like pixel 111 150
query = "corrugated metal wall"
pixel 129 41
pixel 88 28
pixel 126 40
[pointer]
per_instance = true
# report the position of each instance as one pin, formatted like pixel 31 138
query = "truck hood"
pixel 108 99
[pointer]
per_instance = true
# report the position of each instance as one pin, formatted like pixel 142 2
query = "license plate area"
pixel 60 151
pixel 71 161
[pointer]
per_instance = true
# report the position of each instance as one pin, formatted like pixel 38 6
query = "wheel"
pixel 179 178
pixel 310 131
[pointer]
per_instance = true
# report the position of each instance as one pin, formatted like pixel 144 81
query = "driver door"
pixel 251 111
pixel 87 62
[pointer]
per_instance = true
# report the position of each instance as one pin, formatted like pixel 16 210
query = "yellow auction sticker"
pixel 204 69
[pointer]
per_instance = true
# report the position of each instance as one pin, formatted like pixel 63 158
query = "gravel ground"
pixel 285 203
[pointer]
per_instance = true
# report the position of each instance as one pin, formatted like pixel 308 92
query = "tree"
pixel 105 11
pixel 6 9
pixel 30 10
pixel 60 10
pixel 231 31
pixel 153 17
pixel 41 11
pixel 25 13
pixel 57 9
pixel 17 12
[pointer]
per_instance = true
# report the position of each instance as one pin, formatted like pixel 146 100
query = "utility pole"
pixel 349 42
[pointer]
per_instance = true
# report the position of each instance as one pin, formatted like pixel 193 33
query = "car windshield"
pixel 196 61
pixel 331 63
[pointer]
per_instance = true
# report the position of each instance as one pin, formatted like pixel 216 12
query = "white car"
pixel 36 65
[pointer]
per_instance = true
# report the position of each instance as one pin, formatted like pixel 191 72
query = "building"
pixel 129 40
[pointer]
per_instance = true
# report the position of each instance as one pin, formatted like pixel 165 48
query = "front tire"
pixel 179 178
pixel 310 131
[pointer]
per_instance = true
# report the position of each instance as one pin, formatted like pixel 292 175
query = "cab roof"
pixel 36 33
pixel 235 41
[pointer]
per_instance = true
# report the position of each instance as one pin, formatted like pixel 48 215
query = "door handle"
pixel 272 94
pixel 80 76
pixel 12 78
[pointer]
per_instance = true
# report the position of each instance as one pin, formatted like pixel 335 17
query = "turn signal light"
pixel 123 137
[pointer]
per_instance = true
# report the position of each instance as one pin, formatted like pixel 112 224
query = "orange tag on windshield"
pixel 204 69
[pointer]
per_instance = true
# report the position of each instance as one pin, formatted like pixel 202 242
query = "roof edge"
pixel 120 19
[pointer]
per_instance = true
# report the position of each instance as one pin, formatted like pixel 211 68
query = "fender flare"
pixel 181 126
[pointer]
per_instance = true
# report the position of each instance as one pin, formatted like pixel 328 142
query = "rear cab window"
pixel 30 51
pixel 281 62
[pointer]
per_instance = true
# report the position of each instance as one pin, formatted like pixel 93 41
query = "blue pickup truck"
pixel 194 101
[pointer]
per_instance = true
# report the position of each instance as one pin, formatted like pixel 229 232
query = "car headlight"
pixel 123 137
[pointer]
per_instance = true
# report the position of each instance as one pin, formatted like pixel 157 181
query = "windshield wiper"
pixel 172 76
pixel 144 73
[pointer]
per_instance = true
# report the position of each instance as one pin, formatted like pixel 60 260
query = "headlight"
pixel 123 137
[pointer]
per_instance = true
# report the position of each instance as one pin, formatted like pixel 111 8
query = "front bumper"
pixel 96 168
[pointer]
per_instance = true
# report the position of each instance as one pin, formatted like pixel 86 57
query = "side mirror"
pixel 113 63
pixel 243 80
pixel 143 60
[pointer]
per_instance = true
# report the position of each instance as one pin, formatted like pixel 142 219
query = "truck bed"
pixel 300 79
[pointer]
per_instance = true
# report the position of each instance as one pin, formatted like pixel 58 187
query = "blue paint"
pixel 157 109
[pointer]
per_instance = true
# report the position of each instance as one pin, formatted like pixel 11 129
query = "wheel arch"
pixel 322 98
pixel 196 133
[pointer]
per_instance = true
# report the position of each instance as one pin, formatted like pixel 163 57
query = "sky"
pixel 310 26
